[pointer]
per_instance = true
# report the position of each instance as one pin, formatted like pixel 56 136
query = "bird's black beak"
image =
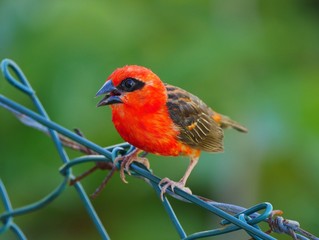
pixel 112 94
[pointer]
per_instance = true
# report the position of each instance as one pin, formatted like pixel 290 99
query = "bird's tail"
pixel 226 122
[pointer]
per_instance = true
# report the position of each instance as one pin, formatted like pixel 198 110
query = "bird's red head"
pixel 135 87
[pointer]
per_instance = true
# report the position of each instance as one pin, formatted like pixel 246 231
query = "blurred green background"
pixel 256 61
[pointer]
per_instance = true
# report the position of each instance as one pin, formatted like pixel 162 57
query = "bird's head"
pixel 133 86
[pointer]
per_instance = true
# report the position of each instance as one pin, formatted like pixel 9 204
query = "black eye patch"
pixel 130 85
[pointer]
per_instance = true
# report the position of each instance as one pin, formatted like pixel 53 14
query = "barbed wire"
pixel 233 217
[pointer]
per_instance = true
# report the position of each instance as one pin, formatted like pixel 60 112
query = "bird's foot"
pixel 169 183
pixel 127 160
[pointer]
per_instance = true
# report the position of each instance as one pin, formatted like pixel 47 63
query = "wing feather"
pixel 193 118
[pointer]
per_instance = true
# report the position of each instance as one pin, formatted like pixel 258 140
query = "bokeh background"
pixel 256 61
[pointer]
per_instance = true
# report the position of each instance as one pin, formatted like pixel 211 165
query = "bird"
pixel 162 119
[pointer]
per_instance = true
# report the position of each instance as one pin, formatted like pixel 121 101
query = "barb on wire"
pixel 233 217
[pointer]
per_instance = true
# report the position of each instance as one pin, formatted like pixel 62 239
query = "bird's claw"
pixel 127 161
pixel 169 183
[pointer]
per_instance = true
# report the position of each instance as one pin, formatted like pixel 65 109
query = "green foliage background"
pixel 256 61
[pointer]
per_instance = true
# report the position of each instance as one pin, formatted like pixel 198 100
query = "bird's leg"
pixel 181 183
pixel 127 160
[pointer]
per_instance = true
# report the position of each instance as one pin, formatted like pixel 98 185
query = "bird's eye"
pixel 128 84
pixel 131 84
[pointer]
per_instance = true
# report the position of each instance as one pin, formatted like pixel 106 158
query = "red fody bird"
pixel 162 119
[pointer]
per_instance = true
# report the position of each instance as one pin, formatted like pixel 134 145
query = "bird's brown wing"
pixel 194 120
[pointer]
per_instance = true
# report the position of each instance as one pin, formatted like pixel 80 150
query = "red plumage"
pixel 161 119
